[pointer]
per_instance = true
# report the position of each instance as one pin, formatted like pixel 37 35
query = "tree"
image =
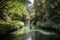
pixel 15 8
pixel 47 14
pixel 13 14
pixel 47 10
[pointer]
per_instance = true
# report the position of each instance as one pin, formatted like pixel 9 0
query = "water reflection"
pixel 29 37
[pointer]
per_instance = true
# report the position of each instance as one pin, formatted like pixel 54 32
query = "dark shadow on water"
pixel 12 37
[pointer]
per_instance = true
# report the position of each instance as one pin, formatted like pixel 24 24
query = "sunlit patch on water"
pixel 47 32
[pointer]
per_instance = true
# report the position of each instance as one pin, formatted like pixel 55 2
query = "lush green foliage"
pixel 13 10
pixel 47 16
pixel 47 10
pixel 13 14
pixel 7 26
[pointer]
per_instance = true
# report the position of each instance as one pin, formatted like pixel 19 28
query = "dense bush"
pixel 7 26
